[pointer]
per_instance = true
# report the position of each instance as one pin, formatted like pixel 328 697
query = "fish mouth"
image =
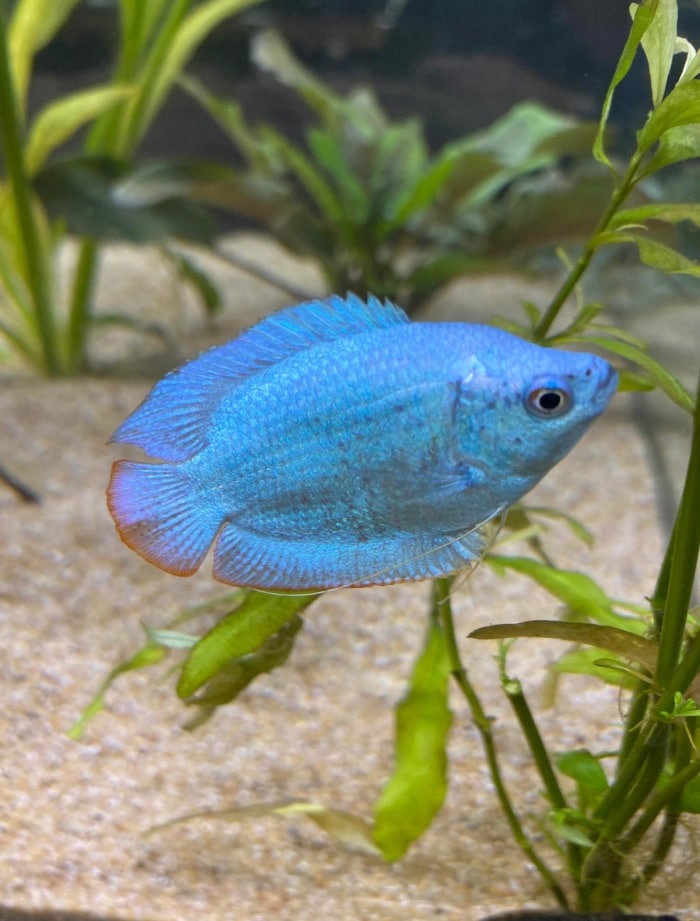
pixel 607 383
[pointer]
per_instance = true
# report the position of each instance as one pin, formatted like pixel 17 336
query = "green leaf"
pixel 83 193
pixel 237 674
pixel 680 107
pixel 346 828
pixel 170 639
pixel 623 642
pixel 580 594
pixel 190 273
pixel 663 379
pixel 690 797
pixel 416 790
pixel 34 23
pixel 144 658
pixel 643 18
pixel 272 55
pixel 59 120
pixel 629 381
pixel 669 212
pixel 241 632
pixel 659 45
pixel 586 770
pixel 675 145
pixel 165 64
pixel 328 153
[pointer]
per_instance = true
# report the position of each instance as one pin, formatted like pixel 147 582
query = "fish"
pixel 338 443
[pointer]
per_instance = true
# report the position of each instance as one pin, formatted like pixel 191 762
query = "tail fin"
pixel 159 514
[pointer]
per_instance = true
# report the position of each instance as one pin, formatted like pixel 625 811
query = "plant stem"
pixel 37 273
pixel 530 730
pixel 683 549
pixel 441 602
pixel 572 279
pixel 81 300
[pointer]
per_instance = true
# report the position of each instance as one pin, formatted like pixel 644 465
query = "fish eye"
pixel 548 402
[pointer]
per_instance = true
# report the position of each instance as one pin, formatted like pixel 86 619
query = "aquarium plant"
pixel 611 822
pixel 156 40
pixel 365 198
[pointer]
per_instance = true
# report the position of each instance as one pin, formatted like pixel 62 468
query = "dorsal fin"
pixel 172 421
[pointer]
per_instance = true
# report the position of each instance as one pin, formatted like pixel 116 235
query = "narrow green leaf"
pixel 623 642
pixel 663 379
pixel 350 830
pixel 629 381
pixel 659 45
pixel 170 639
pixel 241 632
pixel 159 74
pixel 190 273
pixel 669 212
pixel 272 55
pixel 59 120
pixel 415 792
pixel 144 658
pixel 34 23
pixel 643 18
pixel 577 591
pixel 308 175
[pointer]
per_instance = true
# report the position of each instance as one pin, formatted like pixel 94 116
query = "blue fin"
pixel 172 421
pixel 161 515
pixel 247 559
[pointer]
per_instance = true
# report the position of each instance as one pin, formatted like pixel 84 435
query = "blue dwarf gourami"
pixel 337 443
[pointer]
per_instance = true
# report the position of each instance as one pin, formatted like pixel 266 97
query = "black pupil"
pixel 549 400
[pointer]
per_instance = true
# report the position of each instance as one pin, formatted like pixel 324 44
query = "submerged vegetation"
pixel 156 39
pixel 380 213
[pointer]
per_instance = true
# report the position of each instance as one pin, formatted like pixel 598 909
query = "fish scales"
pixel 338 444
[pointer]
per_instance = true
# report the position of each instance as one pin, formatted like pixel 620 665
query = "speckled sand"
pixel 71 601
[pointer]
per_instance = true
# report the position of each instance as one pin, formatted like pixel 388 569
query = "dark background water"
pixel 458 64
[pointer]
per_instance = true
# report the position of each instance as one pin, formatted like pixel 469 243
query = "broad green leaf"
pixel 144 658
pixel 675 145
pixel 680 107
pixel 81 192
pixel 416 790
pixel 586 770
pixel 237 674
pixel 241 632
pixel 34 23
pixel 663 379
pixel 659 45
pixel 643 17
pixel 622 642
pixel 522 132
pixel 59 120
pixel 348 829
